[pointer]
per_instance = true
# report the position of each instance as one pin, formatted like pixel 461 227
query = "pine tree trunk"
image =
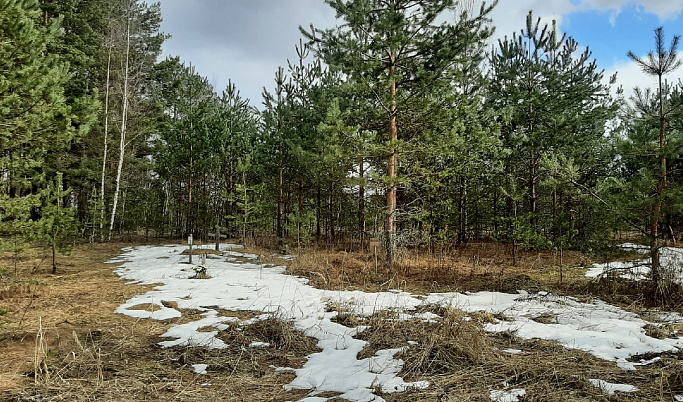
pixel 533 197
pixel 462 217
pixel 318 206
pixel 331 212
pixel 361 204
pixel 280 233
pixel 246 208
pixel 661 187
pixel 391 173
pixel 301 212
pixel 654 254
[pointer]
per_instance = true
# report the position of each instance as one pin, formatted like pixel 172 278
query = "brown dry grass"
pixel 90 353
pixel 476 267
pixel 464 363
pixel 471 267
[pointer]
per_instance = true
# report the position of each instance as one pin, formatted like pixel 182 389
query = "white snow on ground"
pixel 507 396
pixel 200 368
pixel 610 388
pixel 236 285
pixel 671 259
pixel 603 330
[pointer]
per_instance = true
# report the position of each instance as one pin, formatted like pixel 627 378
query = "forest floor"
pixel 61 338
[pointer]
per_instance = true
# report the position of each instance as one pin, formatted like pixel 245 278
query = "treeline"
pixel 401 124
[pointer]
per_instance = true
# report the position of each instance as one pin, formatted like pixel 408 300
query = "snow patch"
pixel 507 396
pixel 237 283
pixel 611 388
pixel 200 368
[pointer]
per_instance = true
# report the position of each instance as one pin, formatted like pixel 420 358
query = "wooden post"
pixel 189 241
pixel 218 236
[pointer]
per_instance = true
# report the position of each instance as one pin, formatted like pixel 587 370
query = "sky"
pixel 245 41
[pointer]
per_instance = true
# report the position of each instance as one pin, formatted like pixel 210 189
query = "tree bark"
pixel 391 171
pixel 122 145
pixel 361 204
pixel 661 187
pixel 106 145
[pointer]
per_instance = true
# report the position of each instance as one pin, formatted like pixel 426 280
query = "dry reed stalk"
pixel 40 368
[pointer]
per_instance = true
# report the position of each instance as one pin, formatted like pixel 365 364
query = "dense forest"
pixel 402 125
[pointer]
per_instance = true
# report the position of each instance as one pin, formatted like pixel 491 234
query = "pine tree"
pixel 553 103
pixel 660 62
pixel 37 125
pixel 396 54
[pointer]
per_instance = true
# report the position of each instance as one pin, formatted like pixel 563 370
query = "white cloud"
pixel 664 9
pixel 629 76
pixel 510 16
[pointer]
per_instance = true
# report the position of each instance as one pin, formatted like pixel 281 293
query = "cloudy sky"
pixel 246 40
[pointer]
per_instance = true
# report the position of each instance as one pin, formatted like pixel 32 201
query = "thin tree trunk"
pixel 280 195
pixel 106 144
pixel 190 209
pixel 318 207
pixel 331 212
pixel 556 233
pixel 361 204
pixel 391 172
pixel 533 197
pixel 122 145
pixel 661 187
pixel 246 208
pixel 462 218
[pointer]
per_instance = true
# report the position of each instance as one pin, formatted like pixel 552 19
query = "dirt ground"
pixel 61 339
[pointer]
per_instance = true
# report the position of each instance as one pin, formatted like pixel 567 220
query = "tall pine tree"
pixel 396 53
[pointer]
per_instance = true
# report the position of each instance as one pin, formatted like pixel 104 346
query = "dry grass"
pixel 62 341
pixel 464 363
pixel 472 267
pixel 86 352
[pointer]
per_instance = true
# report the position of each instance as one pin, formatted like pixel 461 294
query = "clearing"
pixel 334 325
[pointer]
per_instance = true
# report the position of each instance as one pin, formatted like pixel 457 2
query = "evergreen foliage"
pixel 38 124
pixel 556 110
pixel 386 127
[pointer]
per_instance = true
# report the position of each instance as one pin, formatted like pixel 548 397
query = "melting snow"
pixel 200 368
pixel 598 328
pixel 670 258
pixel 507 396
pixel 610 388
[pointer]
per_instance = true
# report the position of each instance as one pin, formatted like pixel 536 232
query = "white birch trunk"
pixel 106 135
pixel 122 145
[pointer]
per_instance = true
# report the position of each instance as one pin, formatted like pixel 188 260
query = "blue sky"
pixel 246 40
pixel 610 28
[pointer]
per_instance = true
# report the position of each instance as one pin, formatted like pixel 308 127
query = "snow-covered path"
pixel 600 329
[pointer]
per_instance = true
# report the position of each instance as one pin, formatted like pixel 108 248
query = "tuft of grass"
pixel 463 362
pixel 471 267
